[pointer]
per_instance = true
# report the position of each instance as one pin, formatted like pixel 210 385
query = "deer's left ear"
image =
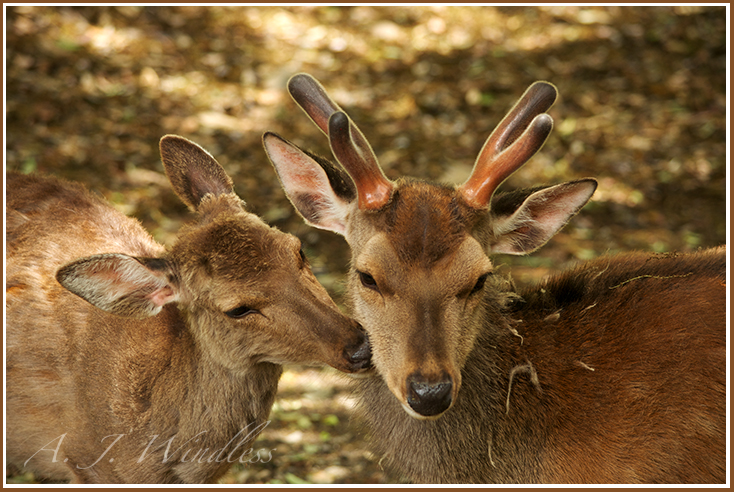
pixel 527 227
pixel 192 171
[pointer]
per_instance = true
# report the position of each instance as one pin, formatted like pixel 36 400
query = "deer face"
pixel 254 298
pixel 420 270
pixel 416 281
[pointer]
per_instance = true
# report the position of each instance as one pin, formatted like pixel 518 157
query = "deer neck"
pixel 210 409
pixel 245 395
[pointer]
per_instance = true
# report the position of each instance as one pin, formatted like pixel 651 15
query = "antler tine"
pixel 311 96
pixel 348 143
pixel 520 134
pixel 354 153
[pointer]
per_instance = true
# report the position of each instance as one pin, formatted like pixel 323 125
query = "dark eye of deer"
pixel 240 312
pixel 480 284
pixel 368 281
pixel 304 260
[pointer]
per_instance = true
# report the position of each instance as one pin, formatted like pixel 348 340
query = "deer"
pixel 130 362
pixel 613 371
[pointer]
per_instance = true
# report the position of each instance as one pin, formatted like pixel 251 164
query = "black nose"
pixel 429 398
pixel 360 356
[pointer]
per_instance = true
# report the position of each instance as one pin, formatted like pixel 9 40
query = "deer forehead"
pixel 237 248
pixel 423 221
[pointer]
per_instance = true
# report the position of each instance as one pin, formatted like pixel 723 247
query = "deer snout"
pixel 429 397
pixel 359 355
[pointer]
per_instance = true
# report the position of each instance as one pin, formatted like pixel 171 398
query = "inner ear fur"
pixel 525 220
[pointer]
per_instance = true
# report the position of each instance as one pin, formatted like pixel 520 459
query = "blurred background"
pixel 642 108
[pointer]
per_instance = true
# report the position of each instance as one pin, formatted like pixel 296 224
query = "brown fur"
pixel 426 221
pixel 94 397
pixel 611 373
pixel 626 393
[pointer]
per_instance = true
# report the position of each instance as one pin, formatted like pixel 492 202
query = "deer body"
pixel 554 393
pixel 147 365
pixel 613 372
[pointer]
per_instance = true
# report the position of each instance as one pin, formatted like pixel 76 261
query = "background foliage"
pixel 90 91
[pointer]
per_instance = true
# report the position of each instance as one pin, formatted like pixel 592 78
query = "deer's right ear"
pixel 319 190
pixel 121 284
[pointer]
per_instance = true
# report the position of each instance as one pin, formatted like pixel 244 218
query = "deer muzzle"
pixel 429 397
pixel 358 357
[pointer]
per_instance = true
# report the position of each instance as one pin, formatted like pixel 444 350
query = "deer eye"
pixel 368 281
pixel 480 283
pixel 241 312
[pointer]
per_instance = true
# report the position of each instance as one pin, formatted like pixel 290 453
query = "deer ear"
pixel 121 284
pixel 192 171
pixel 524 221
pixel 319 190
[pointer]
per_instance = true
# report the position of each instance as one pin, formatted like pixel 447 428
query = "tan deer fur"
pixel 613 372
pixel 170 375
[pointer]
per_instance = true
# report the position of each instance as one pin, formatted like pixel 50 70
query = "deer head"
pixel 246 289
pixel 421 281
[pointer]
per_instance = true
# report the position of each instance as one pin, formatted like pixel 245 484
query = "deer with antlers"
pixel 611 372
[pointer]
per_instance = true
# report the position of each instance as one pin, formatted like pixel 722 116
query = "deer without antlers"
pixel 142 365
pixel 611 372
